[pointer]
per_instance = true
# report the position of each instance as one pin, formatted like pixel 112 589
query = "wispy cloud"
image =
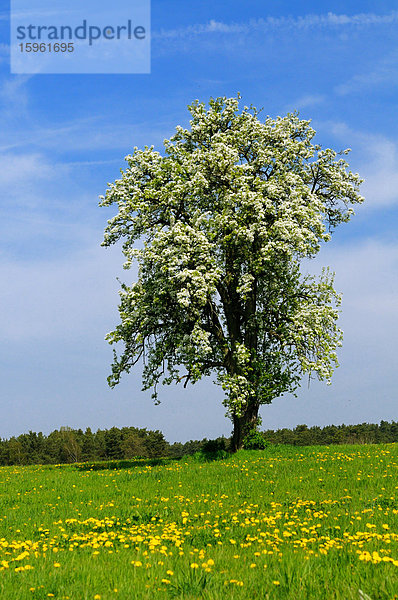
pixel 57 299
pixel 305 101
pixel 385 71
pixel 378 164
pixel 21 130
pixel 83 134
pixel 305 22
pixel 381 173
pixel 20 170
pixel 91 163
pixel 366 273
pixel 14 102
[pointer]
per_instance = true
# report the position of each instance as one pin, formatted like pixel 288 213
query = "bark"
pixel 243 424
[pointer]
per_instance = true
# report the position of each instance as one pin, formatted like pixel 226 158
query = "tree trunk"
pixel 243 424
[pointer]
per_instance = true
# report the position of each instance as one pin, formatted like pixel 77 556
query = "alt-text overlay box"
pixel 75 36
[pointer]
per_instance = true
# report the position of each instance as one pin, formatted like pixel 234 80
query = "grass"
pixel 315 523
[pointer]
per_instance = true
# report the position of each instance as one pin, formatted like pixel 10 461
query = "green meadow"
pixel 282 523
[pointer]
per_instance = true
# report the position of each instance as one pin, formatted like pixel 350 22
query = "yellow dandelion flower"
pixel 194 565
pixel 136 563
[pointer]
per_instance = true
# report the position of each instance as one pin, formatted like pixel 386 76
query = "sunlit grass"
pixel 284 523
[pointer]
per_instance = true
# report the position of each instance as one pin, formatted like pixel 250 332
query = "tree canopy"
pixel 219 225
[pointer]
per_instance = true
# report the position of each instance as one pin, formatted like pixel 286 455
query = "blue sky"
pixel 63 137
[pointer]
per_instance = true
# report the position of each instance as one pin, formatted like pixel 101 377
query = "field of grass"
pixel 315 523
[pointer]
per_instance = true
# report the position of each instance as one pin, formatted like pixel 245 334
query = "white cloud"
pixel 20 169
pixel 21 129
pixel 14 99
pixel 92 133
pixel 377 160
pixel 381 174
pixel 385 71
pixel 32 181
pixel 383 74
pixel 305 22
pixel 305 101
pixel 60 299
pixel 367 275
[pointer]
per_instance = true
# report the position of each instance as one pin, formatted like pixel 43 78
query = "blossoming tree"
pixel 219 224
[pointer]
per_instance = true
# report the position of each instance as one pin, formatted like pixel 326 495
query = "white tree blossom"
pixel 219 226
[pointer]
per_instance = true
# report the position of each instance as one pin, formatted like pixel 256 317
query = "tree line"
pixel 364 433
pixel 68 445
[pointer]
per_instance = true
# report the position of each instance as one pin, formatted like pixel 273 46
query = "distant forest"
pixel 68 445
